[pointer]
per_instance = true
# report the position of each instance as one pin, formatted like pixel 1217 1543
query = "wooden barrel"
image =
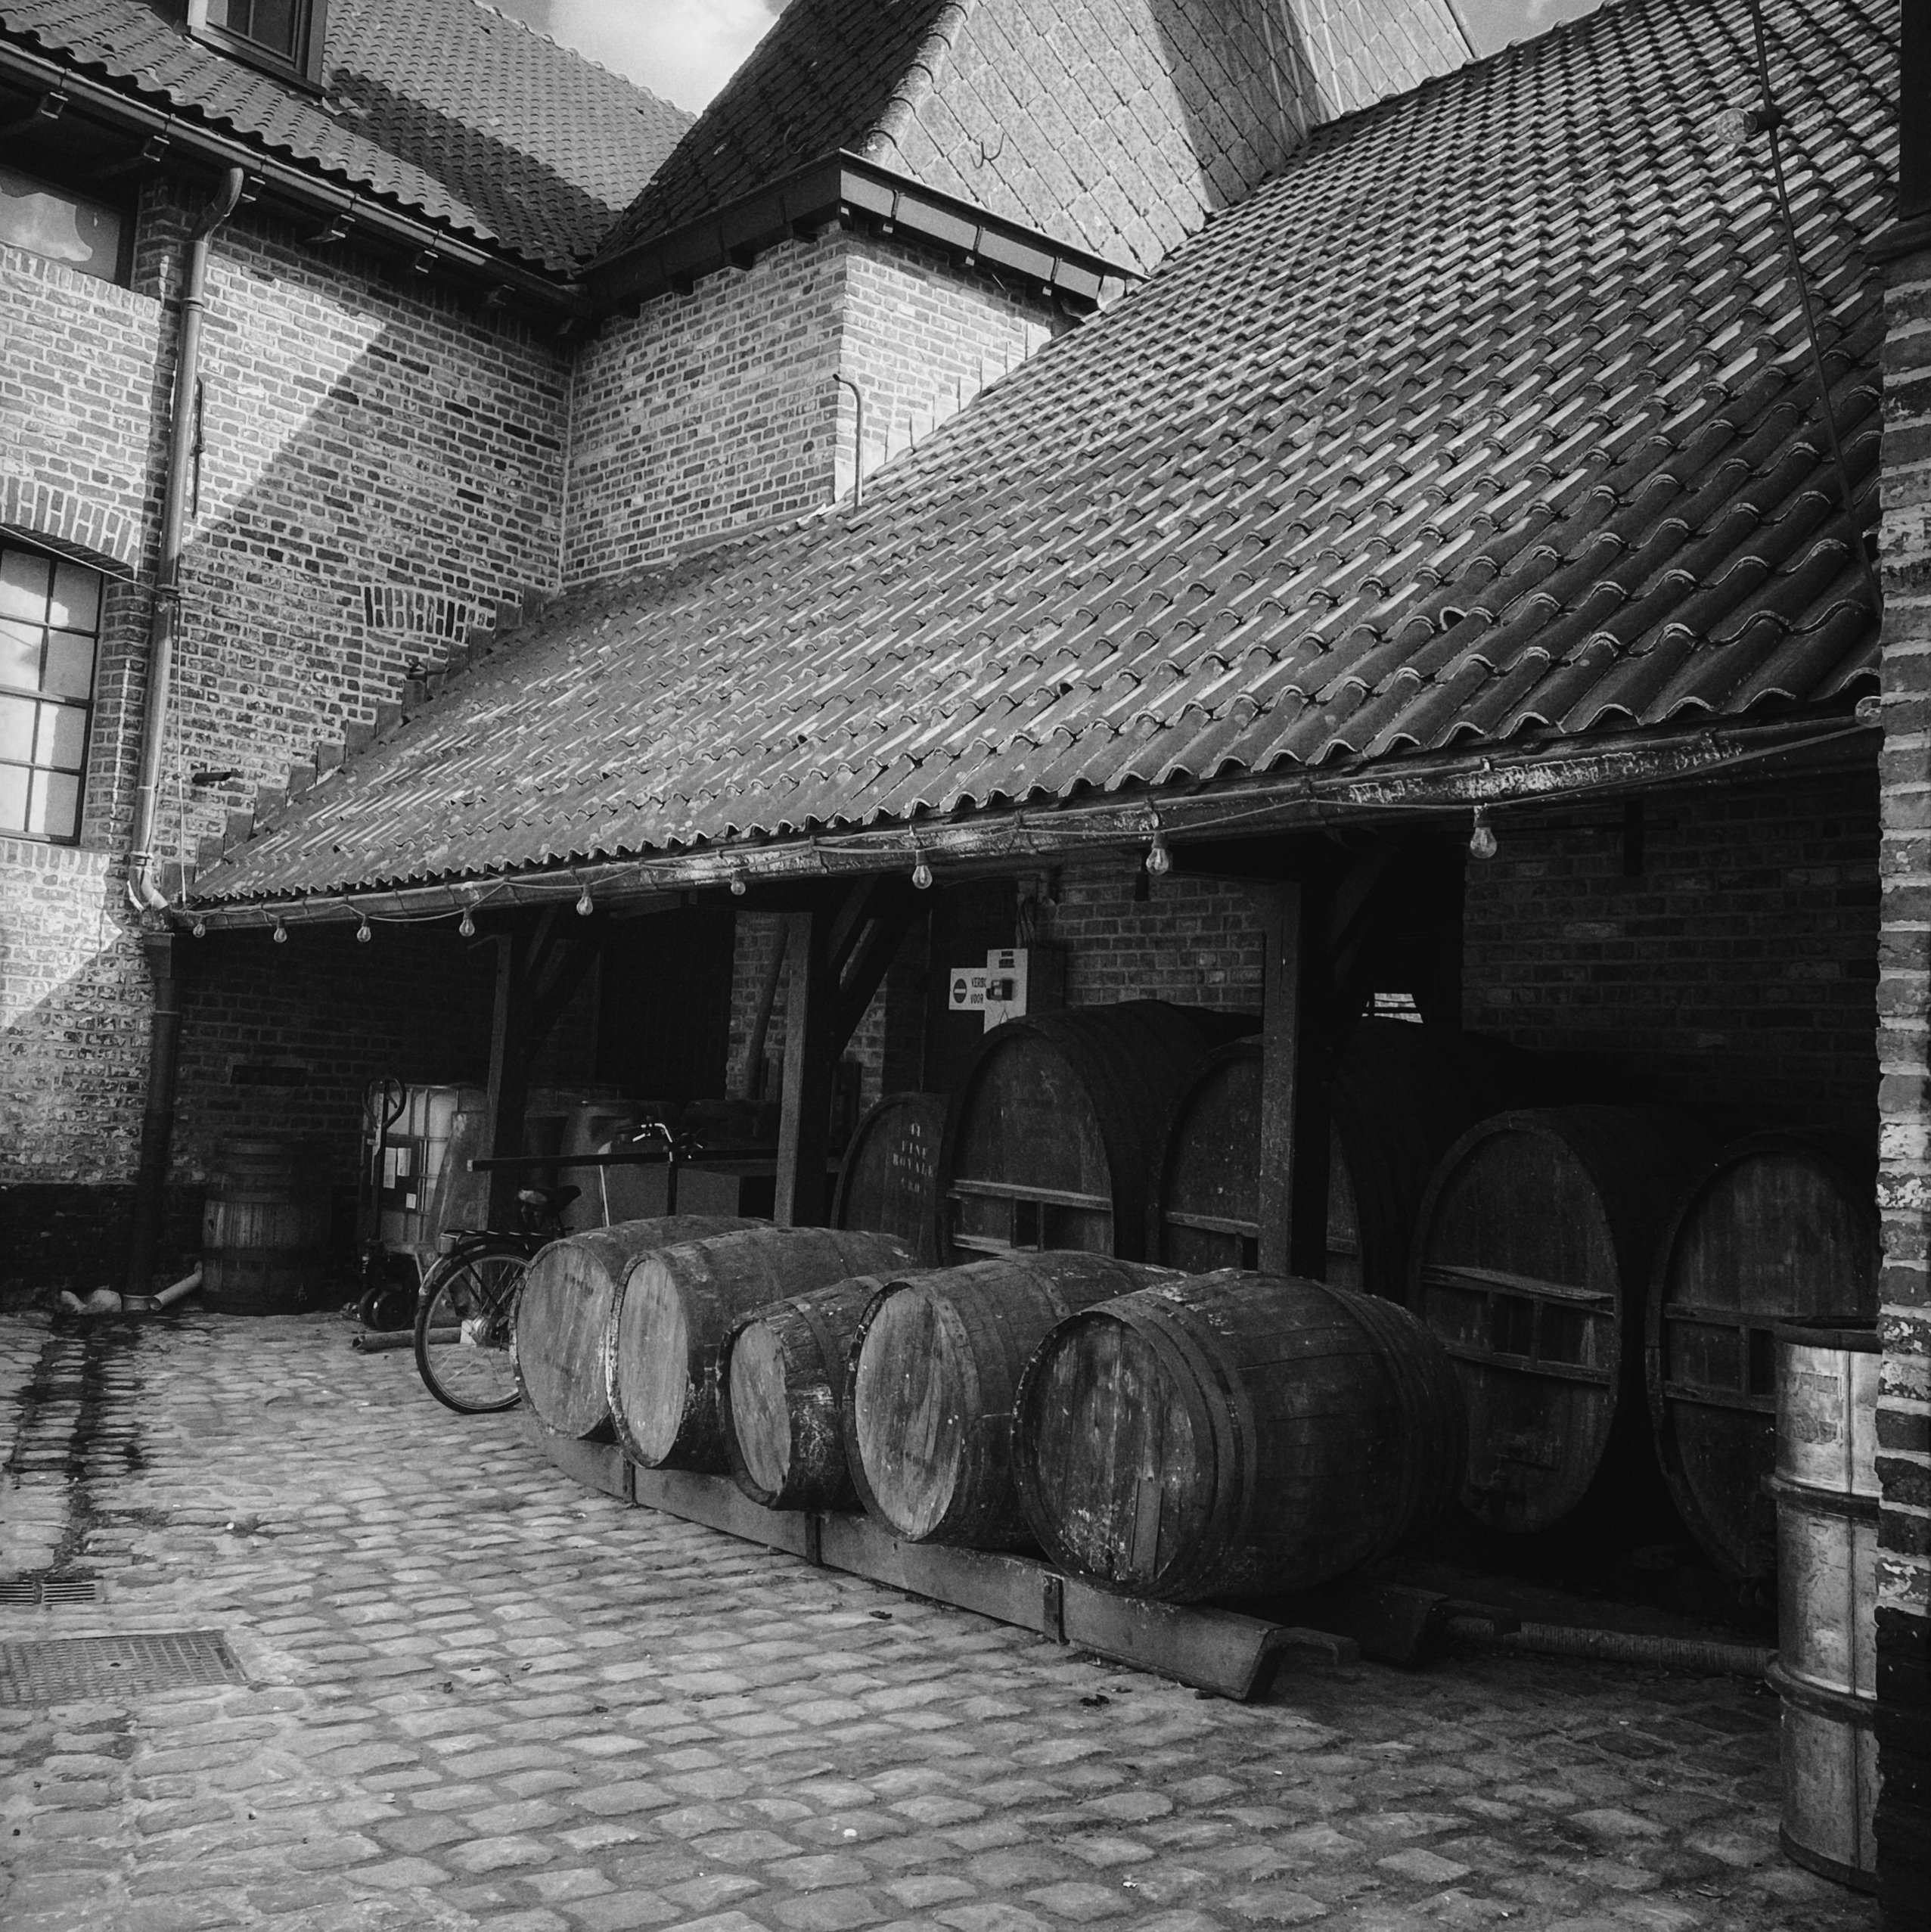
pixel 1780 1227
pixel 663 1348
pixel 888 1183
pixel 265 1227
pixel 564 1310
pixel 1827 1494
pixel 1052 1137
pixel 782 1390
pixel 1235 1433
pixel 928 1410
pixel 1532 1253
pixel 1400 1095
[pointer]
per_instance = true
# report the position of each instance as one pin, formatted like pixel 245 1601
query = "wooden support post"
pixel 810 1054
pixel 1294 1124
pixel 510 1049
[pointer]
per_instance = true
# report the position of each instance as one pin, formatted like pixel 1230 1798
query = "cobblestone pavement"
pixel 479 1696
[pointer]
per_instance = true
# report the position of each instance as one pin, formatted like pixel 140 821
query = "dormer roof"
pixel 445 108
pixel 1111 125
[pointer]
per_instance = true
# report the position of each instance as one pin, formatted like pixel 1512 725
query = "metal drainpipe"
pixel 142 890
pixel 858 438
pixel 164 1039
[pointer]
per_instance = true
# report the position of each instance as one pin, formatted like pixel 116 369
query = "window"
pixel 270 25
pixel 283 35
pixel 47 220
pixel 50 630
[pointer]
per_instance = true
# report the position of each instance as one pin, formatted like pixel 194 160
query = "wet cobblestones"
pixel 479 1696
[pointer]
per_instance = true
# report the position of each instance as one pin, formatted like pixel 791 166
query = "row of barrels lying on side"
pixel 1607 1277
pixel 1166 1435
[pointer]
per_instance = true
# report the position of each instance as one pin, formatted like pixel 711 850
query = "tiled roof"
pixel 1492 416
pixel 1113 125
pixel 444 107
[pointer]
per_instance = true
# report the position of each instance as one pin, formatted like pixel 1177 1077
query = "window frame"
pixel 19 541
pixel 310 41
pixel 125 210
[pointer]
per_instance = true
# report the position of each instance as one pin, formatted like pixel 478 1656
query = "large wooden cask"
pixel 663 1347
pixel 1399 1097
pixel 265 1227
pixel 1533 1255
pixel 564 1310
pixel 781 1387
pixel 1233 1433
pixel 929 1409
pixel 1781 1227
pixel 890 1181
pixel 1053 1138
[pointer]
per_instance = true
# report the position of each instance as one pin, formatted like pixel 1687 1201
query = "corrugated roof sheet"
pixel 1113 125
pixel 444 106
pixel 1491 415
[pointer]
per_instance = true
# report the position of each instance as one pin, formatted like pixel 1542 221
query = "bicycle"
pixel 466 1315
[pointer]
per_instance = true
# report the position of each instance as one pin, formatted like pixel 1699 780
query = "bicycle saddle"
pixel 552 1200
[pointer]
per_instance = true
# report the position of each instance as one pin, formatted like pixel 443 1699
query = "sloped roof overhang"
pixel 355 212
pixel 1561 771
pixel 845 188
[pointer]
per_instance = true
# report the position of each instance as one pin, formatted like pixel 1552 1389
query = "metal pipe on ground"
pixel 1710 1655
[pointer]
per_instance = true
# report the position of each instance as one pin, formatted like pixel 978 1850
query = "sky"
pixel 686 50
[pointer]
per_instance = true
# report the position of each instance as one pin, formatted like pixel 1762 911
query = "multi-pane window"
pixel 50 633
pixel 47 220
pixel 274 26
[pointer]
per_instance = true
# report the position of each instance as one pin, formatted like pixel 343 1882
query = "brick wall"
pixel 1737 969
pixel 381 468
pixel 1903 1048
pixel 413 1003
pixel 84 362
pixel 716 411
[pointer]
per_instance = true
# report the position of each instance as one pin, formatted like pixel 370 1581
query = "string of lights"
pixel 979 842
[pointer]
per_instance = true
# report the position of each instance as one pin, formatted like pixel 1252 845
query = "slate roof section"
pixel 1112 125
pixel 1491 417
pixel 446 107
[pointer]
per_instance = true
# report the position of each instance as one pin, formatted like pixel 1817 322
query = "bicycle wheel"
pixel 464 1325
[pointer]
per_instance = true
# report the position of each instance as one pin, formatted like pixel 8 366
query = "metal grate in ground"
pixel 47 1592
pixel 70 1669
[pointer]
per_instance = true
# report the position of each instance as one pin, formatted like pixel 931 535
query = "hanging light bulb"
pixel 363 935
pixel 1482 839
pixel 1159 861
pixel 281 934
pixel 922 874
pixel 466 925
pixel 738 887
pixel 585 904
pixel 201 929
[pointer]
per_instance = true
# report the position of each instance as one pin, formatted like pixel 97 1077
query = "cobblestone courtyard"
pixel 477 1695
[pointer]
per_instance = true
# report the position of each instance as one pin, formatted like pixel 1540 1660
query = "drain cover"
pixel 70 1669
pixel 35 1591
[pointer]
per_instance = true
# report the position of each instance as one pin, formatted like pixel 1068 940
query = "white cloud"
pixel 684 50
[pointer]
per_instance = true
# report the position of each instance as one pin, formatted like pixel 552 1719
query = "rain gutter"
pixel 349 214
pixel 1438 787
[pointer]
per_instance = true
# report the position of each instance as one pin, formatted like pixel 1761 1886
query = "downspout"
pixel 143 890
pixel 164 1039
pixel 858 438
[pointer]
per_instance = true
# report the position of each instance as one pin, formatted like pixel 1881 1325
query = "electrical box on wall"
pixel 1013 981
